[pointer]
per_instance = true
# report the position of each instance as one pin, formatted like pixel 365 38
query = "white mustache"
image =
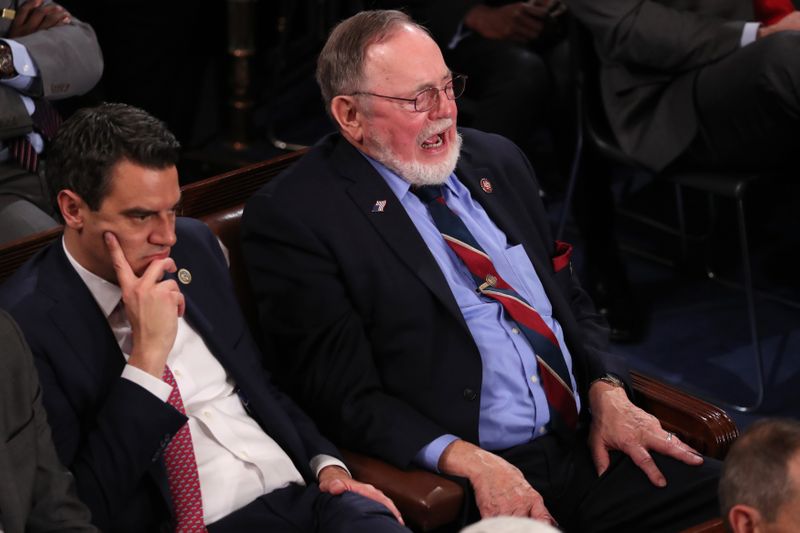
pixel 435 127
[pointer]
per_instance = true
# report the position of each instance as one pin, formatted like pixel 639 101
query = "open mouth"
pixel 434 141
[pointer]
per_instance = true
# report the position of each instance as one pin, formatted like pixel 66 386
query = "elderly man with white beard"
pixel 424 314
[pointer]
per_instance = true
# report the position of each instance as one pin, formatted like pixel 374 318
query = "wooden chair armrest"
pixel 427 501
pixel 703 426
pixel 712 526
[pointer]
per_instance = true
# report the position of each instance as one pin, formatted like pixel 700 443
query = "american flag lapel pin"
pixel 379 206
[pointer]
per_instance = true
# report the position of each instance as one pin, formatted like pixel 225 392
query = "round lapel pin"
pixel 486 185
pixel 184 276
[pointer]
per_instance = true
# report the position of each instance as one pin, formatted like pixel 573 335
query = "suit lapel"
pixel 505 209
pixel 77 316
pixel 393 223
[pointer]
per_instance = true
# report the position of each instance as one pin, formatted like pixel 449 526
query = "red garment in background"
pixel 771 11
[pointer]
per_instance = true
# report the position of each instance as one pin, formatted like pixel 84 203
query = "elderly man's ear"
pixel 348 116
pixel 745 519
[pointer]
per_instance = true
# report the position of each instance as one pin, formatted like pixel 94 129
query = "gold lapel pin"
pixel 184 276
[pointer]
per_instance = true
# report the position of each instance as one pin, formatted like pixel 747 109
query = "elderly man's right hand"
pixel 500 488
pixel 152 307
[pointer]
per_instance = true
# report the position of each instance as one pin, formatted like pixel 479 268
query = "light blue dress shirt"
pixel 513 407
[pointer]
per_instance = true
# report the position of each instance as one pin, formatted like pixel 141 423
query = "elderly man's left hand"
pixel 617 424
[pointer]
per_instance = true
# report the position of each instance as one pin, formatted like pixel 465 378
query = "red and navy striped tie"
pixel 553 371
pixel 46 121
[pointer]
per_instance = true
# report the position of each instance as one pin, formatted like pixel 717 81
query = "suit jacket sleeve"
pixel 68 58
pixel 649 35
pixel 51 503
pixel 14 118
pixel 109 440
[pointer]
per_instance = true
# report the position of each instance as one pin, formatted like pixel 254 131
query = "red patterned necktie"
pixel 182 476
pixel 553 370
pixel 46 121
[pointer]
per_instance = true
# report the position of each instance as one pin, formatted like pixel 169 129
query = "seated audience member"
pixel 759 490
pixel 156 392
pixel 37 494
pixel 45 54
pixel 700 82
pixel 474 353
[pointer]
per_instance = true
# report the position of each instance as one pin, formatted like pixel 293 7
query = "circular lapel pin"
pixel 486 185
pixel 184 276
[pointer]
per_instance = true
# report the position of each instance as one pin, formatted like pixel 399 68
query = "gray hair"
pixel 755 472
pixel 340 66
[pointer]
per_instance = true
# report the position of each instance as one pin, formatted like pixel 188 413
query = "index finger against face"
pixel 125 275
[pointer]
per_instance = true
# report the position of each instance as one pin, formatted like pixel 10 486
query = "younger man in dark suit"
pixel 159 401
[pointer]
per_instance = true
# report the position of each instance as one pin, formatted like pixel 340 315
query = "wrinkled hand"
pixel 335 480
pixel 33 16
pixel 520 22
pixel 500 488
pixel 790 22
pixel 617 424
pixel 152 307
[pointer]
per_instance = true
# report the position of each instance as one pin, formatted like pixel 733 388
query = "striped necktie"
pixel 183 478
pixel 552 366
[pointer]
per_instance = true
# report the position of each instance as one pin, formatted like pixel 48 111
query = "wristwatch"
pixel 7 69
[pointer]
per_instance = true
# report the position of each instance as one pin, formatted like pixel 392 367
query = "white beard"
pixel 415 172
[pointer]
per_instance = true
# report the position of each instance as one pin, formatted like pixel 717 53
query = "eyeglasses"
pixel 428 98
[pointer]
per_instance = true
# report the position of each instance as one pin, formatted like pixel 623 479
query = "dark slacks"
pixel 298 509
pixel 622 499
pixel 748 107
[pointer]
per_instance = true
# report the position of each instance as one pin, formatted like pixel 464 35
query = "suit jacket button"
pixel 470 394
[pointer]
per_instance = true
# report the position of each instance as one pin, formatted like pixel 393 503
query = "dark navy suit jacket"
pixel 370 336
pixel 110 431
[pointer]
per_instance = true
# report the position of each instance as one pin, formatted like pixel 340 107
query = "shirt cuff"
pixel 749 33
pixel 430 454
pixel 23 64
pixel 318 462
pixel 152 384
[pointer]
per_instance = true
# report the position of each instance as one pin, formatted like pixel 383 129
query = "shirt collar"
pixel 401 187
pixel 106 294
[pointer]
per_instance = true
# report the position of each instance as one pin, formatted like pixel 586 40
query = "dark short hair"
pixel 340 65
pixel 755 472
pixel 88 144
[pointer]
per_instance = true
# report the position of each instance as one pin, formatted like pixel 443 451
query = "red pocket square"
pixel 562 256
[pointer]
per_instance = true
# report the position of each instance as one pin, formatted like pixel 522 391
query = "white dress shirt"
pixel 236 460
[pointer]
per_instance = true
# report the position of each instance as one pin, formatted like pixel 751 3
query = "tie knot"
pixel 428 193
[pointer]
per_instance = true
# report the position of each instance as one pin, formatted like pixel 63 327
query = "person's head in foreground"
pixel 759 490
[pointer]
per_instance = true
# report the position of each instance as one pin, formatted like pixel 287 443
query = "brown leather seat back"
pixel 225 224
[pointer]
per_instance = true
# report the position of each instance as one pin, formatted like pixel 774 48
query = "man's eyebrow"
pixel 137 211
